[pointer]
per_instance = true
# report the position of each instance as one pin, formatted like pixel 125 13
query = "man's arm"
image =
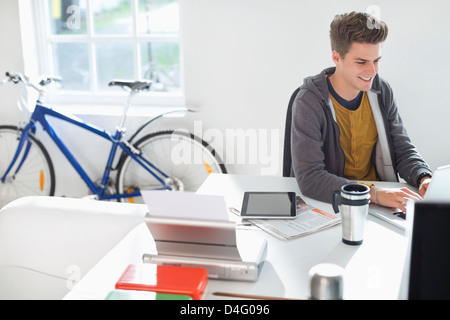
pixel 309 124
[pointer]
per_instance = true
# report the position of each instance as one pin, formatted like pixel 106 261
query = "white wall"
pixel 243 59
pixel 10 58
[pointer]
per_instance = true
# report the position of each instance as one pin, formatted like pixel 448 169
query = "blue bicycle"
pixel 166 160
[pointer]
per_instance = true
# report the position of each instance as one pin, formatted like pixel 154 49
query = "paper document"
pixel 185 205
pixel 309 220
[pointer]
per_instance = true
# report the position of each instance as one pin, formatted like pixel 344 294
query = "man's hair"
pixel 355 27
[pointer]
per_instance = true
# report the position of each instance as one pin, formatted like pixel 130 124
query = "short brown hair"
pixel 355 27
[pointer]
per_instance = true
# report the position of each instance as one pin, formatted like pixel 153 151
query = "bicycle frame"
pixel 39 116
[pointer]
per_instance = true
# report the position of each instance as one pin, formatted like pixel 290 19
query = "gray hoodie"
pixel 317 157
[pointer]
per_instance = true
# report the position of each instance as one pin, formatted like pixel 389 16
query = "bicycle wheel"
pixel 34 176
pixel 184 158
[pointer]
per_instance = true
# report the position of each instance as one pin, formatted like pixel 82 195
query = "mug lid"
pixel 355 188
pixel 355 191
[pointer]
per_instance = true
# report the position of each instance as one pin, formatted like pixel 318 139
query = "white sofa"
pixel 47 244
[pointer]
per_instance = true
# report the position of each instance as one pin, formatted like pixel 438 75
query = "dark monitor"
pixel 429 276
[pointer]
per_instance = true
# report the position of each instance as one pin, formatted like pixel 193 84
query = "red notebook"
pixel 164 279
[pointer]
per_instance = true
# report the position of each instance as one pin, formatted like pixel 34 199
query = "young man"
pixel 345 122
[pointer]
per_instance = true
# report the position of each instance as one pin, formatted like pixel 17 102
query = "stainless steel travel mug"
pixel 326 282
pixel 353 200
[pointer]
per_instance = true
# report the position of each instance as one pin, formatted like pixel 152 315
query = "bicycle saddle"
pixel 132 85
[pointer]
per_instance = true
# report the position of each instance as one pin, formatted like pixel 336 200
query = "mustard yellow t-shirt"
pixel 358 135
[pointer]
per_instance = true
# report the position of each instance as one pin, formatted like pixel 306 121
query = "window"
pixel 90 42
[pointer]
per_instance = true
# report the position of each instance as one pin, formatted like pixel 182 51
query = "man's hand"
pixel 424 185
pixel 393 197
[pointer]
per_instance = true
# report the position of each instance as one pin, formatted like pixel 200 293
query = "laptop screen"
pixel 429 276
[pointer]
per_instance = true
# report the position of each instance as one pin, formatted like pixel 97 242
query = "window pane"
pixel 158 17
pixel 160 63
pixel 71 62
pixel 67 16
pixel 113 16
pixel 114 42
pixel 114 61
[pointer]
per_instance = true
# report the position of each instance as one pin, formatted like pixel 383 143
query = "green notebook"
pixel 143 295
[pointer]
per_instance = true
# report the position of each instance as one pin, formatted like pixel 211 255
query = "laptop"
pixel 211 243
pixel 438 190
pixel 391 215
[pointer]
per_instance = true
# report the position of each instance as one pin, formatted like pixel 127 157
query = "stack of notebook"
pixel 156 282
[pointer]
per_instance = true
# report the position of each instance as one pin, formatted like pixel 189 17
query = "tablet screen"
pixel 269 205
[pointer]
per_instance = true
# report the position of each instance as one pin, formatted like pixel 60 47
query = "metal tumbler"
pixel 326 282
pixel 353 200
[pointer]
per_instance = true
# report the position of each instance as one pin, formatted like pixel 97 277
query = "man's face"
pixel 359 66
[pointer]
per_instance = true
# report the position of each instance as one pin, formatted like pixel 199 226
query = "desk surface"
pixel 372 271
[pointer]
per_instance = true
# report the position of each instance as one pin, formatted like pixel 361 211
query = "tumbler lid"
pixel 355 191
pixel 326 282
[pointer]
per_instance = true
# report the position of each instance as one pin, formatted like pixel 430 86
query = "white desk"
pixel 372 270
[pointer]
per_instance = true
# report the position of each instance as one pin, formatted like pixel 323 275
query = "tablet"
pixel 269 205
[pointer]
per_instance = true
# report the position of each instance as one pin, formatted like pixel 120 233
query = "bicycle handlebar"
pixel 17 77
pixel 49 79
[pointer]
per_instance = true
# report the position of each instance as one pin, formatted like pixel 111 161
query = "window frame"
pixel 101 100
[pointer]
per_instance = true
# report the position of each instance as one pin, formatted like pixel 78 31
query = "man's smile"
pixel 366 79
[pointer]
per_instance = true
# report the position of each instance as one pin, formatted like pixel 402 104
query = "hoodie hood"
pixel 318 84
